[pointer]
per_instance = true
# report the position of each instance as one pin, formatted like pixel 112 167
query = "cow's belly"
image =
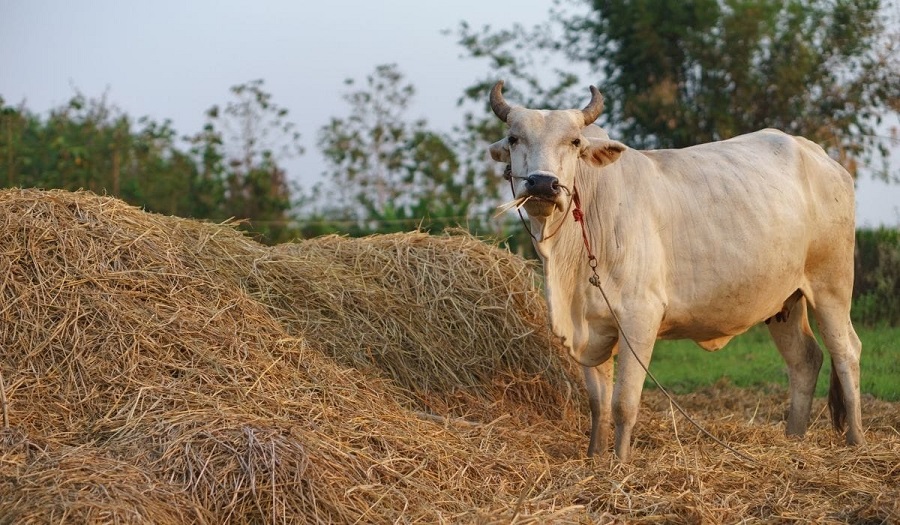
pixel 735 269
pixel 711 313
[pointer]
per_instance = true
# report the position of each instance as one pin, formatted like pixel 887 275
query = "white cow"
pixel 699 243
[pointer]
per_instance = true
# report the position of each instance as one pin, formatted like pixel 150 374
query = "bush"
pixel 876 288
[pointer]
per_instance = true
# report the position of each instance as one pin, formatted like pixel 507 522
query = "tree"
pixel 159 174
pixel 13 123
pixel 386 173
pixel 242 146
pixel 90 144
pixel 678 73
pixel 231 169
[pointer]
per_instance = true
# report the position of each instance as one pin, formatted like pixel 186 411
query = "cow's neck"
pixel 561 246
pixel 559 239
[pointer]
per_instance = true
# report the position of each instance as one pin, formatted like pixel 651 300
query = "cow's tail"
pixel 836 403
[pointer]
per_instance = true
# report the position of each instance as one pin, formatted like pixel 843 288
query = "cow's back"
pixel 740 223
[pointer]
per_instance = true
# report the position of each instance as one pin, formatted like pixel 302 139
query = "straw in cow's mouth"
pixel 516 203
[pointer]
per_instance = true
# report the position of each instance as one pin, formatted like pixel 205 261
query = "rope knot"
pixel 578 215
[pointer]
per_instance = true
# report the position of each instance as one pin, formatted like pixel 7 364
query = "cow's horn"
pixel 594 107
pixel 498 104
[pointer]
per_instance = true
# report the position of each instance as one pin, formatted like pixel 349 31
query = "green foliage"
pixel 388 173
pixel 680 73
pixel 876 290
pixel 751 360
pixel 240 151
pixel 90 144
pixel 231 168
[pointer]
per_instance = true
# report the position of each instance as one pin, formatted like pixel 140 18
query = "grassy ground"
pixel 751 360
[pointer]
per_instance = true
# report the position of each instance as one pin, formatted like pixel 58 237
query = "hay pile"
pixel 161 370
pixel 459 324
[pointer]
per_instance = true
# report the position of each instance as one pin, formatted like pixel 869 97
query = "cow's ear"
pixel 500 150
pixel 602 152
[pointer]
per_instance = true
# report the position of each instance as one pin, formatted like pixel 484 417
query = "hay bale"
pixel 460 324
pixel 141 336
pixel 163 370
pixel 85 484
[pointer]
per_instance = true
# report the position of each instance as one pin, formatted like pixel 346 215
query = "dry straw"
pixel 163 370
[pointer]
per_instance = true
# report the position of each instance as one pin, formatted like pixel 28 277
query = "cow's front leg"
pixel 594 351
pixel 630 383
pixel 599 382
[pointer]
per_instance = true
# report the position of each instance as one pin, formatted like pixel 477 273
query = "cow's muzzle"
pixel 542 185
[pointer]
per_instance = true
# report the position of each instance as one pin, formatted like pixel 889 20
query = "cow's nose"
pixel 542 184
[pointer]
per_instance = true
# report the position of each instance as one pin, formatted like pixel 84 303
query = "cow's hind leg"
pixel 845 348
pixel 797 345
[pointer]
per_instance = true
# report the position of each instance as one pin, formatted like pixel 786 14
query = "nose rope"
pixel 507 174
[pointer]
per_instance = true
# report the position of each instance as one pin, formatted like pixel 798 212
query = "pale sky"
pixel 174 59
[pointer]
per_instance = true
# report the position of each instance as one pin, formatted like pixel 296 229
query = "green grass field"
pixel 751 360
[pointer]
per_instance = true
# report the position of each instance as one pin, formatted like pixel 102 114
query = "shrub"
pixel 876 288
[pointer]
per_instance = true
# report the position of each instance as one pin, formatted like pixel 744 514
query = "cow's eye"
pixel 576 142
pixel 512 141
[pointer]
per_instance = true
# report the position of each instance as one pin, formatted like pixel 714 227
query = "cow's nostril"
pixel 542 184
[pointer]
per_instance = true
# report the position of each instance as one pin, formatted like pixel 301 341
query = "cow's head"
pixel 545 148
